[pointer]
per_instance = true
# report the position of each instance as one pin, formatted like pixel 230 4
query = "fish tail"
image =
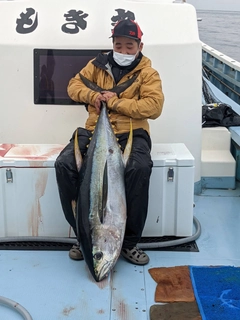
pixel 77 153
pixel 128 148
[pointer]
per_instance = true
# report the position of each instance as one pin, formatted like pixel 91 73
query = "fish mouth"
pixel 103 272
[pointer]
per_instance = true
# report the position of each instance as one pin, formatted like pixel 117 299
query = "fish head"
pixel 105 251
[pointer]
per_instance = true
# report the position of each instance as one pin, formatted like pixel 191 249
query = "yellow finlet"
pixel 74 207
pixel 128 148
pixel 77 153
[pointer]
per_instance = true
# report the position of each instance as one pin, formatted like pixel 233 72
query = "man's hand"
pixel 103 96
pixel 108 95
pixel 97 103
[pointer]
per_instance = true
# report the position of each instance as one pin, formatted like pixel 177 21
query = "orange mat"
pixel 173 284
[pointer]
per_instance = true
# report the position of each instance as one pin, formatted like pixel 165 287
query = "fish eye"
pixel 98 256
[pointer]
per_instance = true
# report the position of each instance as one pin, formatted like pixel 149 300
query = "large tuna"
pixel 101 208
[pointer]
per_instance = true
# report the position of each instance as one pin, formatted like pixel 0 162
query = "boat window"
pixel 53 68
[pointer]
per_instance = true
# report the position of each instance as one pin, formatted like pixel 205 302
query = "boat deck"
pixel 53 287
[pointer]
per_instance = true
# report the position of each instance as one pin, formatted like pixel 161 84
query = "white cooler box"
pixel 29 200
pixel 30 204
pixel 171 192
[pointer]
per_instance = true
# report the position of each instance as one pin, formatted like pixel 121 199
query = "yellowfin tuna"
pixel 101 208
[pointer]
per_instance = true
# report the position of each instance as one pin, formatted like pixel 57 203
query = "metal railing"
pixel 223 71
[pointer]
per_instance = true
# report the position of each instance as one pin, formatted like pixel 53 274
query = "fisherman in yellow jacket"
pixel 142 100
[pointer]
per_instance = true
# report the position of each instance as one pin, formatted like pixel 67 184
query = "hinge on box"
pixel 9 175
pixel 170 175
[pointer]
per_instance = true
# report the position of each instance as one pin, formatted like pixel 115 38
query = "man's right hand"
pixel 97 103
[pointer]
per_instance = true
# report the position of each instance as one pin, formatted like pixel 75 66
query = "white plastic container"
pixel 29 200
pixel 30 204
pixel 171 192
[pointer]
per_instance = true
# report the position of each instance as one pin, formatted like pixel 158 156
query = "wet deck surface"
pixel 53 287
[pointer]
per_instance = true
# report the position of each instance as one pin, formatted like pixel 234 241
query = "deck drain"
pixel 59 246
pixel 35 245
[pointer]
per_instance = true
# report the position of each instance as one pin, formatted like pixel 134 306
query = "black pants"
pixel 137 174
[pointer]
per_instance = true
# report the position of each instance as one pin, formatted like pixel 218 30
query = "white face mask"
pixel 124 59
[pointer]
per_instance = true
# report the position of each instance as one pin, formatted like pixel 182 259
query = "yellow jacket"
pixel 141 101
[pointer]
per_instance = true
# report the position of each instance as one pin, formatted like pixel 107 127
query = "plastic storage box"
pixel 171 192
pixel 30 204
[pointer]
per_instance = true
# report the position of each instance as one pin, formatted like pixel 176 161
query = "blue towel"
pixel 217 291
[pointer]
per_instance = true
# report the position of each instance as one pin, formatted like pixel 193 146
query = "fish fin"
pixel 69 232
pixel 74 208
pixel 123 86
pixel 77 153
pixel 103 203
pixel 128 148
pixel 90 84
pixel 117 89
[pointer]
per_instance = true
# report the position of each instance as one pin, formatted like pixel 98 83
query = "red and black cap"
pixel 127 28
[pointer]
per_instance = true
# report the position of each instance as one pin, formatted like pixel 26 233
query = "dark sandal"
pixel 75 253
pixel 135 256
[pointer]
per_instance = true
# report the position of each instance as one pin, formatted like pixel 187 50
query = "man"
pixel 142 100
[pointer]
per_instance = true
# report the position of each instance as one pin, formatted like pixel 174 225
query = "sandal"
pixel 75 253
pixel 135 256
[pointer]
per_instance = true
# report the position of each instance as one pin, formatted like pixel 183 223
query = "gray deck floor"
pixel 53 287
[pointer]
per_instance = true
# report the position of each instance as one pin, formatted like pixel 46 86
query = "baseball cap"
pixel 127 28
